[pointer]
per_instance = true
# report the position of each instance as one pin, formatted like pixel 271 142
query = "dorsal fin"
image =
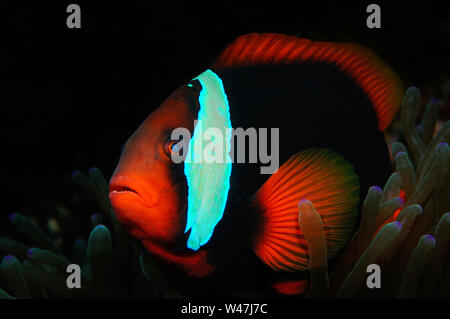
pixel 381 85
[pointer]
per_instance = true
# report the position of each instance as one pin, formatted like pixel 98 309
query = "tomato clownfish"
pixel 331 103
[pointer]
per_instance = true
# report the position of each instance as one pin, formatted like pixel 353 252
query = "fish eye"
pixel 174 147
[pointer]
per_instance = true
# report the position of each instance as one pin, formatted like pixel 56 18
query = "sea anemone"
pixel 112 264
pixel 404 229
pixel 408 239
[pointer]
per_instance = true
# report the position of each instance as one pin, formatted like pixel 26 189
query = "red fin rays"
pixel 325 179
pixel 382 86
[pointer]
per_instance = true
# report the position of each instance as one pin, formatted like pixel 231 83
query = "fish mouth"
pixel 125 188
pixel 122 189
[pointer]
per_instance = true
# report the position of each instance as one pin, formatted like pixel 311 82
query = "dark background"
pixel 69 98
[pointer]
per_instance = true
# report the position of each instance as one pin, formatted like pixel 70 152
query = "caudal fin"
pixel 324 178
